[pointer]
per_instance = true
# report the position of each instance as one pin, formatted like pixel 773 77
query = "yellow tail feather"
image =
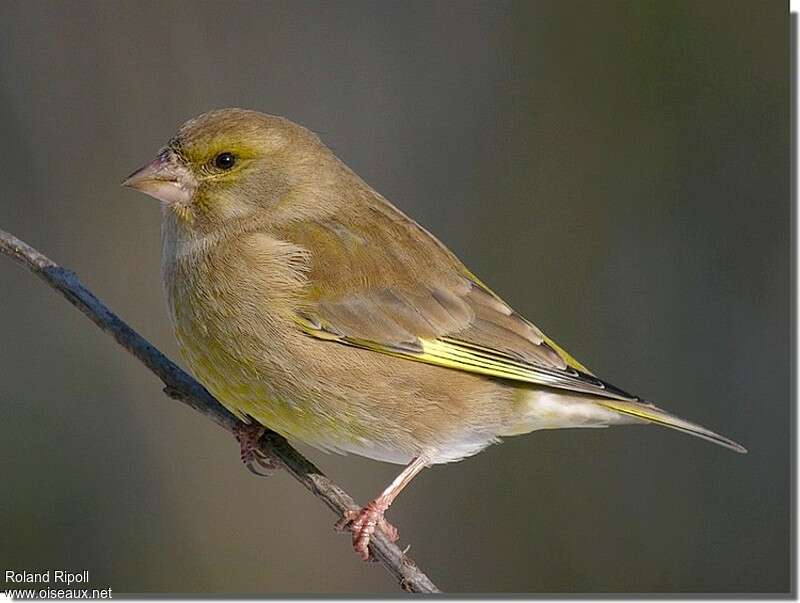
pixel 655 415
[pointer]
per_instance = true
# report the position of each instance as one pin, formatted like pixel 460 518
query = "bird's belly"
pixel 243 389
pixel 310 415
pixel 326 395
pixel 461 448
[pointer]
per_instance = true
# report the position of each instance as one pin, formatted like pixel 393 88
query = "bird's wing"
pixel 379 281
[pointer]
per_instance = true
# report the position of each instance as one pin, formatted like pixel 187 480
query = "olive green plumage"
pixel 305 301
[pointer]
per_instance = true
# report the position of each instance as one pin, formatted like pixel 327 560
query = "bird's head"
pixel 229 164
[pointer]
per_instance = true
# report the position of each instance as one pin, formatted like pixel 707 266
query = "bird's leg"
pixel 362 523
pixel 249 438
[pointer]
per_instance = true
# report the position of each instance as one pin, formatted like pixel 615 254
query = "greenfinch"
pixel 309 304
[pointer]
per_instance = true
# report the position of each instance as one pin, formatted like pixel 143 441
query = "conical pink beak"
pixel 164 179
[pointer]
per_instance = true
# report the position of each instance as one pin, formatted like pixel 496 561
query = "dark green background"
pixel 618 171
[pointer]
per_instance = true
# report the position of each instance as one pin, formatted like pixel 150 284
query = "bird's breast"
pixel 231 319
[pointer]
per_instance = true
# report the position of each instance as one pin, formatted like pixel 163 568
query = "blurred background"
pixel 633 156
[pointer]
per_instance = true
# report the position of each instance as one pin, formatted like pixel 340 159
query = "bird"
pixel 308 304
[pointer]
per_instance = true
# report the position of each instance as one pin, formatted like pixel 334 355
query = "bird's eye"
pixel 225 161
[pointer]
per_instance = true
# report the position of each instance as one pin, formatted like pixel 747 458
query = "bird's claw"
pixel 262 465
pixel 258 463
pixel 362 525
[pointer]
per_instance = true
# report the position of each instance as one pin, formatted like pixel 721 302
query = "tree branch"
pixel 180 386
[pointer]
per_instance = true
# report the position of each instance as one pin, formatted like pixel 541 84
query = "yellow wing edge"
pixel 472 358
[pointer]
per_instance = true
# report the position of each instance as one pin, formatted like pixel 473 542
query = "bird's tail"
pixel 653 414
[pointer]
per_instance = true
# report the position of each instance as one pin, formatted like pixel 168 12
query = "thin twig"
pixel 180 386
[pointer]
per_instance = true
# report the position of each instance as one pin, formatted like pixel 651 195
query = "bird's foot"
pixel 362 524
pixel 249 438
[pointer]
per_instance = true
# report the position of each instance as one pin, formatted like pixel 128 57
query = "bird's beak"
pixel 165 179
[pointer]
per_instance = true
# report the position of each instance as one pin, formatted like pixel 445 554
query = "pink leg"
pixel 256 461
pixel 362 523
